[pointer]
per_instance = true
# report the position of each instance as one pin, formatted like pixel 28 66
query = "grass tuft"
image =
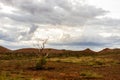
pixel 90 75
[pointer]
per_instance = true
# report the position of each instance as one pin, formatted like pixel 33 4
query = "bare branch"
pixel 40 45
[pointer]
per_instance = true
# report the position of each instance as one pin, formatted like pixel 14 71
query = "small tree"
pixel 40 45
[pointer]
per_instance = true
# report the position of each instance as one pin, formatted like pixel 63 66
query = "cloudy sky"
pixel 67 24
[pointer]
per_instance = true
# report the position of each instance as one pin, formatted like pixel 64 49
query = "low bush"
pixel 41 63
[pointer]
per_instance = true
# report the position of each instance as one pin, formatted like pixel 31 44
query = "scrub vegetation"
pixel 16 65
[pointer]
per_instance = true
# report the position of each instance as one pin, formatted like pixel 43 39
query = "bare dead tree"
pixel 40 45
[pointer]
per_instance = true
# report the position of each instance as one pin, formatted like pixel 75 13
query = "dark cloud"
pixel 95 44
pixel 27 35
pixel 33 28
pixel 60 12
pixel 7 37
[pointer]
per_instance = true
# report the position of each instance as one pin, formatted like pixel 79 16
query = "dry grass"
pixel 91 61
pixel 105 67
pixel 90 75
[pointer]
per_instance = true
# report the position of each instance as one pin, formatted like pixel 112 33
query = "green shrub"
pixel 41 62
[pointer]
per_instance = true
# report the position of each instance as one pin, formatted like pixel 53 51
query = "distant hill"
pixel 3 49
pixel 106 50
pixel 26 50
pixel 88 51
pixel 33 50
pixel 56 51
pixel 63 51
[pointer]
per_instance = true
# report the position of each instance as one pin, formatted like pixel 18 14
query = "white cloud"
pixel 66 22
pixel 110 5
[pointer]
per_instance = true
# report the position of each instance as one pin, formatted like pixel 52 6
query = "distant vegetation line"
pixel 32 52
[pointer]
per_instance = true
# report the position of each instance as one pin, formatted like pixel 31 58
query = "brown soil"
pixel 59 70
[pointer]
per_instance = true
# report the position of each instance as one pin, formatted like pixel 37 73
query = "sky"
pixel 67 24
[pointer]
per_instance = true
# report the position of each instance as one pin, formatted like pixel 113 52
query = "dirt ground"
pixel 24 69
pixel 58 71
